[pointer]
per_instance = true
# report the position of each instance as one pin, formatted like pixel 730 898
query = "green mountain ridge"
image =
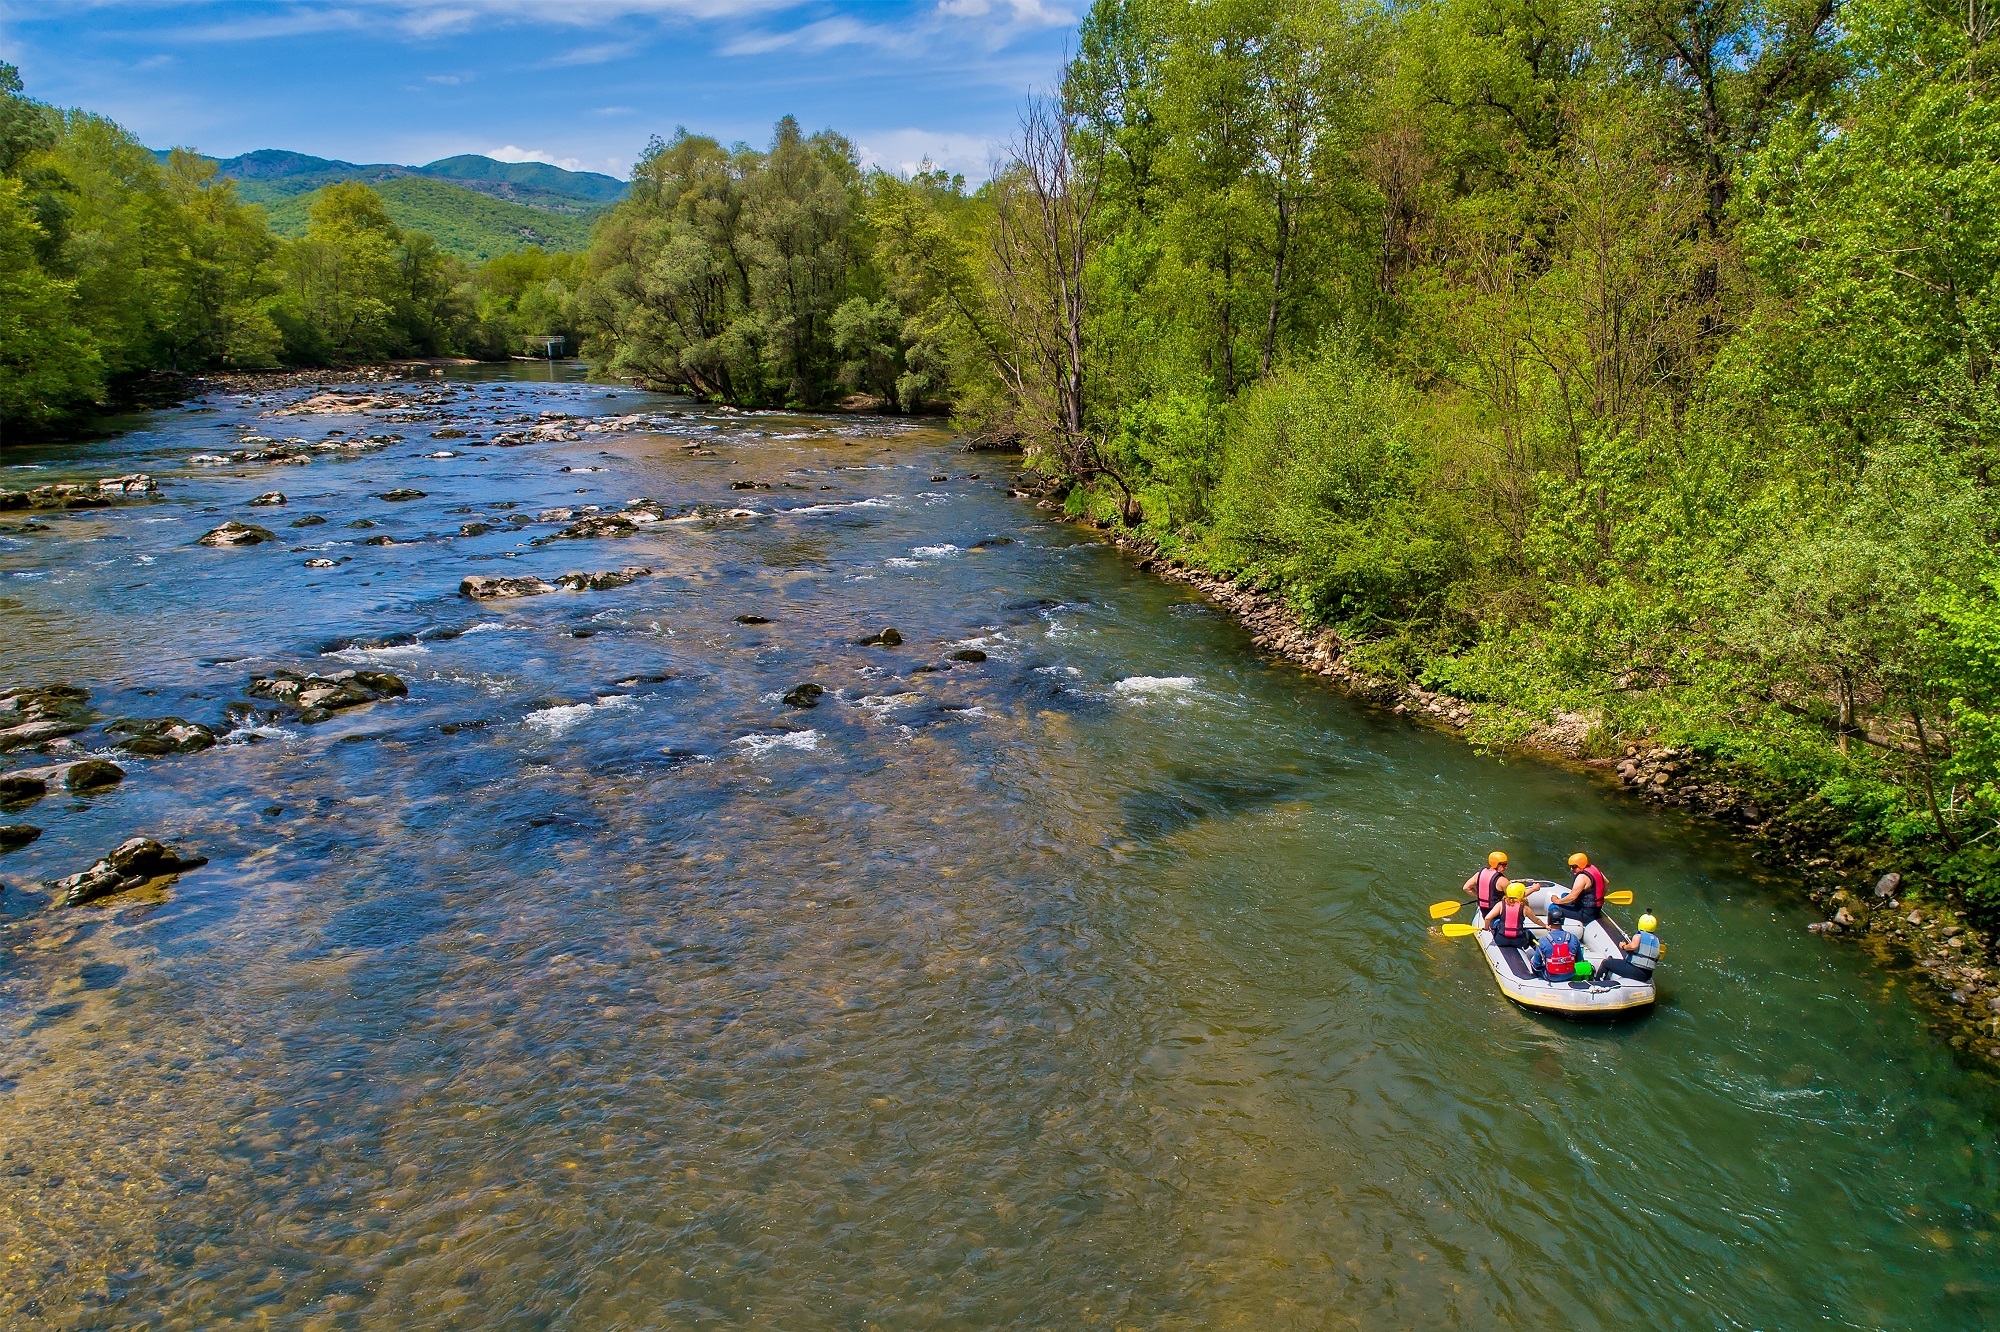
pixel 270 174
pixel 464 222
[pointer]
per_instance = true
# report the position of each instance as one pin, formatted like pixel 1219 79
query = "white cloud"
pixel 610 166
pixel 992 22
pixel 905 150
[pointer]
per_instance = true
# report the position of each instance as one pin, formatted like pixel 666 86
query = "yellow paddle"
pixel 1454 930
pixel 1439 910
pixel 1621 898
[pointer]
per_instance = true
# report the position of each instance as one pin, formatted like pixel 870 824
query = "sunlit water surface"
pixel 592 987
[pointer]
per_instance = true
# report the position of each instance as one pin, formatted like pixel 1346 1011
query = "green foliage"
pixel 117 263
pixel 465 223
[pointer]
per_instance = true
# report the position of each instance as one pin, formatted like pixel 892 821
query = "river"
pixel 591 986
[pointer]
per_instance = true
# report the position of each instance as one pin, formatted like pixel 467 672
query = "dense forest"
pixel 1630 363
pixel 115 267
pixel 1626 364
pixel 1623 362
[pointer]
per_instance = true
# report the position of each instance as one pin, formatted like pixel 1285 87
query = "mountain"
pixel 466 223
pixel 270 174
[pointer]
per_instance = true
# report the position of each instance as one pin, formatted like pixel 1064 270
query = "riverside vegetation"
pixel 1624 373
pixel 1621 372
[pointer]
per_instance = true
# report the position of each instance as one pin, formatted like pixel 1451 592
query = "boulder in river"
pixel 883 637
pixel 751 619
pixel 805 695
pixel 316 697
pixel 238 534
pixel 14 836
pixel 474 529
pixel 269 499
pixel 97 494
pixel 401 494
pixel 156 736
pixel 380 541
pixel 598 582
pixel 30 715
pixel 968 654
pixel 321 562
pixel 93 775
pixel 137 862
pixel 497 589
pixel 309 520
pixel 599 525
pixel 19 790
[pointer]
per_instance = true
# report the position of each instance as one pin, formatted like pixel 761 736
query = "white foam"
pixel 487 627
pixel 398 652
pixel 944 552
pixel 557 721
pixel 898 562
pixel 880 502
pixel 756 746
pixel 1155 686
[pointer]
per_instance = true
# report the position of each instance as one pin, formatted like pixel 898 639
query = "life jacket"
pixel 1560 963
pixel 1647 955
pixel 1513 918
pixel 1595 901
pixel 1489 880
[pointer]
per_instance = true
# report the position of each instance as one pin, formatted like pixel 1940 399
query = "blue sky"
pixel 581 83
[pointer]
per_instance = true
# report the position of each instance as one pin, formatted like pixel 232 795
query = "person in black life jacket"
pixel 1586 894
pixel 1490 884
pixel 1509 919
pixel 1638 956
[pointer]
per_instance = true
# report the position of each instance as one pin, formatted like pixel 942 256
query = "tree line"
pixel 1624 362
pixel 1627 364
pixel 116 267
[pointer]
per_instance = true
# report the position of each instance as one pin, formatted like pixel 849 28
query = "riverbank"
pixel 1870 895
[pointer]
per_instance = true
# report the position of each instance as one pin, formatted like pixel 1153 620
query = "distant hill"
pixel 468 224
pixel 270 174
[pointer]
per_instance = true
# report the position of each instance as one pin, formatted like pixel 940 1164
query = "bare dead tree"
pixel 1047 199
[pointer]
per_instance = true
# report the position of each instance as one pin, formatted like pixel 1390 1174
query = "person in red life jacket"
pixel 1557 954
pixel 1586 894
pixel 1509 919
pixel 1490 884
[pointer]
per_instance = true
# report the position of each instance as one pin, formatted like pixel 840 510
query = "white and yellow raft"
pixel 1514 968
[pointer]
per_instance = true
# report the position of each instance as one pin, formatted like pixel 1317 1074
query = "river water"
pixel 591 986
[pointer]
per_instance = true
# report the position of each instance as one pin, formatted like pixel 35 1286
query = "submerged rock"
pixel 496 589
pixel 137 862
pixel 269 499
pixel 598 582
pixel 751 619
pixel 401 494
pixel 14 836
pixel 161 735
pixel 968 654
pixel 93 775
pixel 321 562
pixel 309 520
pixel 316 697
pixel 805 695
pixel 237 534
pixel 474 529
pixel 883 637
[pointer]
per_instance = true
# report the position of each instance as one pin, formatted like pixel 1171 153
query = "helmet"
pixel 1647 922
pixel 1515 891
pixel 1578 860
pixel 1495 859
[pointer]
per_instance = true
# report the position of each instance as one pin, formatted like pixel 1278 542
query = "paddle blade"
pixel 1439 910
pixel 1620 898
pixel 1457 931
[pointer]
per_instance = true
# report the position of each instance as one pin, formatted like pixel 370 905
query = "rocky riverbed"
pixel 839 894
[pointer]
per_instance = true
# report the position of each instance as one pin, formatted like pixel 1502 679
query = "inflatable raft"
pixel 1514 968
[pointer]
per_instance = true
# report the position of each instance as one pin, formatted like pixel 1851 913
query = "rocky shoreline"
pixel 1902 925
